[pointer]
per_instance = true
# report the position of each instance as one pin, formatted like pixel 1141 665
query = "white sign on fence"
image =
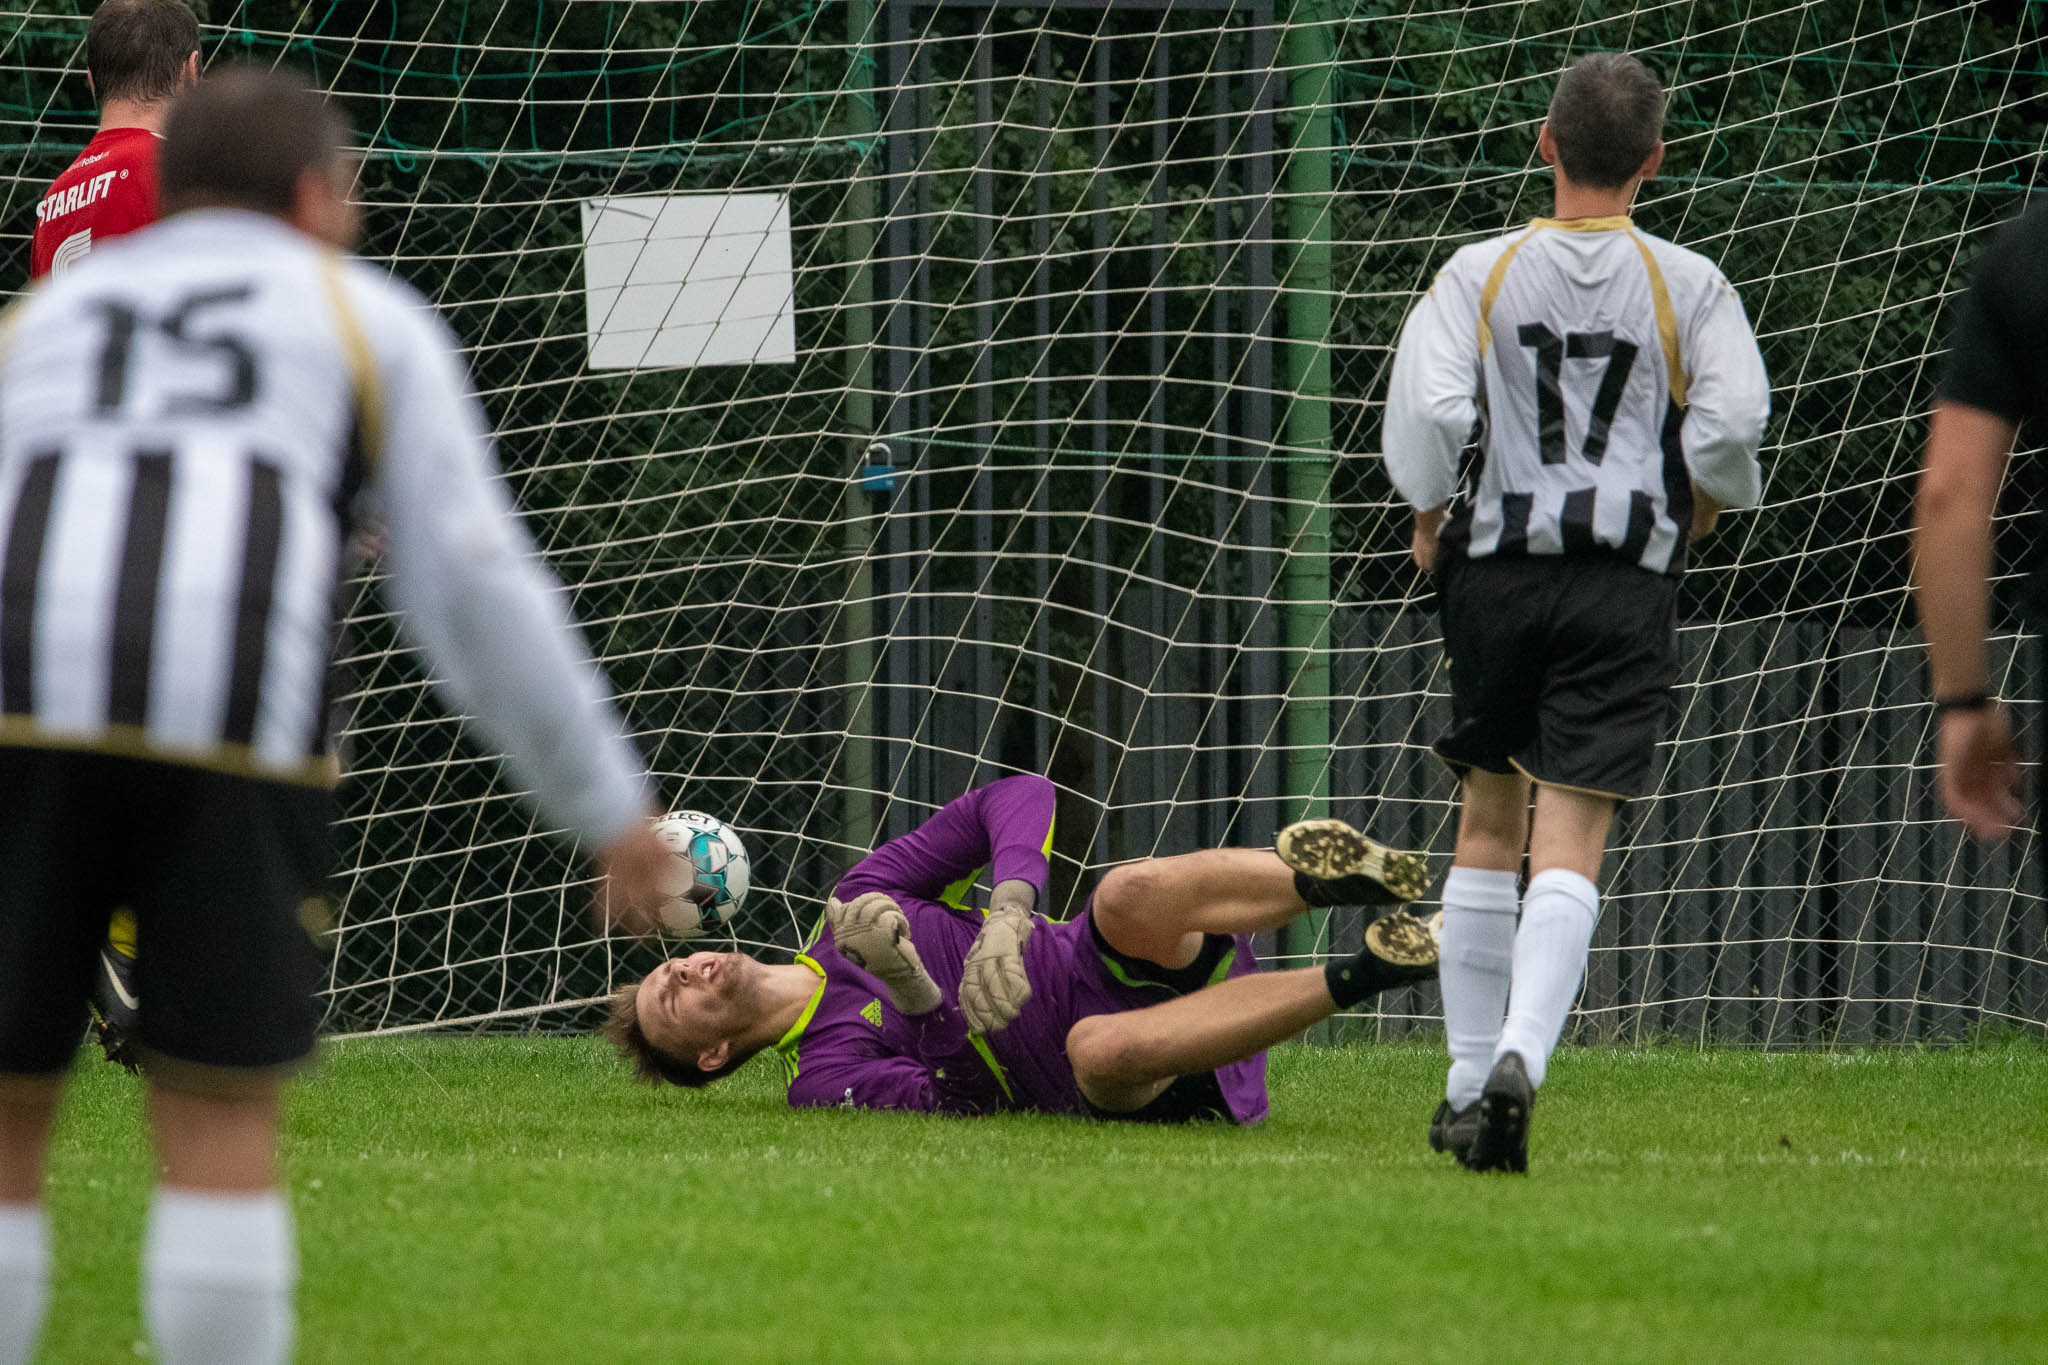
pixel 688 279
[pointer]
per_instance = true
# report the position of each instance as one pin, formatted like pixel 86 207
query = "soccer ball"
pixel 712 872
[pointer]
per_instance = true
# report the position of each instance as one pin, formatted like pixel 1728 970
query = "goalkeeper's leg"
pixel 1124 1061
pixel 1158 909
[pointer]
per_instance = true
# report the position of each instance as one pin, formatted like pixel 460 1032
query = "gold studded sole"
pixel 1400 938
pixel 1330 849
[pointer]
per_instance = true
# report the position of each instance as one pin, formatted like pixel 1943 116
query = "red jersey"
pixel 109 190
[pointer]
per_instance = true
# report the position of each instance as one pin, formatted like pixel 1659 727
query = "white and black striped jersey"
pixel 187 419
pixel 1566 386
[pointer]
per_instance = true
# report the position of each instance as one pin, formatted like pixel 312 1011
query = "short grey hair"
pixel 1606 117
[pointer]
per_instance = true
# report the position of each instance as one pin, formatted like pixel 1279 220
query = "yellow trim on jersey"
pixel 363 379
pixel 1492 289
pixel 1568 787
pixel 1458 767
pixel 956 894
pixel 133 741
pixel 786 1045
pixel 1667 320
pixel 1611 223
pixel 995 1068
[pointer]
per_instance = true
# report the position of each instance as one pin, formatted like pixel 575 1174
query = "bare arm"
pixel 1424 547
pixel 1966 454
pixel 1706 513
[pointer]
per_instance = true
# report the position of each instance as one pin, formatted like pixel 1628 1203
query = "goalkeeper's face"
pixel 698 1007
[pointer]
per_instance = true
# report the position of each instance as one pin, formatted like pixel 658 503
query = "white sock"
pixel 1558 916
pixel 218 1272
pixel 24 1279
pixel 1474 953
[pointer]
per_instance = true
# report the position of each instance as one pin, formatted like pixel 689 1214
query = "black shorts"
pixel 217 869
pixel 1560 669
pixel 1197 1096
pixel 1194 1098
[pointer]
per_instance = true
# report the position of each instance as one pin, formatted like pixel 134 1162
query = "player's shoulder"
pixel 396 318
pixel 376 292
pixel 118 166
pixel 199 242
pixel 108 149
pixel 843 1035
pixel 1475 260
pixel 1464 274
pixel 129 147
pixel 1695 282
pixel 1681 264
pixel 2021 240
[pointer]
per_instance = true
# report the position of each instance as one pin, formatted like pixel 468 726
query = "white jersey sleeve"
pixel 469 588
pixel 1727 401
pixel 1432 396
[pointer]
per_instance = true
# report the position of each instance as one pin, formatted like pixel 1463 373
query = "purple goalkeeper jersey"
pixel 852 1048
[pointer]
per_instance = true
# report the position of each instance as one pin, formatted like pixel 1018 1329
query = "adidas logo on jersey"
pixel 872 1012
pixel 76 197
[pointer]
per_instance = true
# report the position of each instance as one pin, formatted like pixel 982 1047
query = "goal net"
pixel 911 394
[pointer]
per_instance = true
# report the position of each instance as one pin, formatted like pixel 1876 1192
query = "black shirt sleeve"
pixel 1989 364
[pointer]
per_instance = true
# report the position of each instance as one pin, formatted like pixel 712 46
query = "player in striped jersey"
pixel 1571 405
pixel 189 422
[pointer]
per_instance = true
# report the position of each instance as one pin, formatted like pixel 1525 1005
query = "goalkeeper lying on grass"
pixel 1147 1006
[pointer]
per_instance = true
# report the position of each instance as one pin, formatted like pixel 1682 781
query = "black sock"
pixel 1353 979
pixel 1315 892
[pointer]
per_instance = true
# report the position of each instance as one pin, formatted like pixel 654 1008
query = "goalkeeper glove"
pixel 993 986
pixel 873 934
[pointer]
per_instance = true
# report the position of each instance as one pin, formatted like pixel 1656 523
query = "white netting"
pixel 1064 269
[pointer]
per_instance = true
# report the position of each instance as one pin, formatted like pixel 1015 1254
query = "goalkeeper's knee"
pixel 1107 1054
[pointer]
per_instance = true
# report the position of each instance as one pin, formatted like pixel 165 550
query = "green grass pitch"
pixel 517 1200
